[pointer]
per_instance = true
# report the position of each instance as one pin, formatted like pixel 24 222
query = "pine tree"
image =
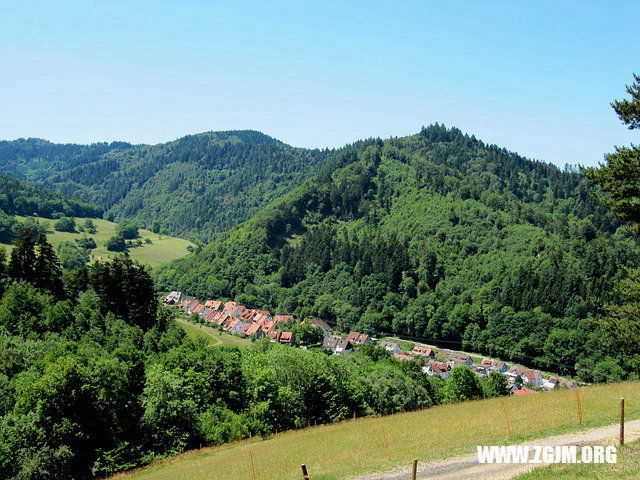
pixel 48 272
pixel 23 257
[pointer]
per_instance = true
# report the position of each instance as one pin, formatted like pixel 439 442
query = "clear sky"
pixel 535 77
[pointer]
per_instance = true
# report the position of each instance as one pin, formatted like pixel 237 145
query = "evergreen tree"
pixel 23 257
pixel 48 272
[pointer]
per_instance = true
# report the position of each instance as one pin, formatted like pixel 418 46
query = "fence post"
pixel 306 476
pixel 506 417
pixel 621 421
pixel 579 406
pixel 414 472
pixel 384 435
pixel 253 468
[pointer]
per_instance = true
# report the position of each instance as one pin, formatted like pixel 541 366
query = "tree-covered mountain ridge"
pixel 435 235
pixel 196 186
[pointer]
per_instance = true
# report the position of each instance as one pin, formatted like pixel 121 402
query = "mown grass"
pixel 162 250
pixel 627 466
pixel 355 447
pixel 211 335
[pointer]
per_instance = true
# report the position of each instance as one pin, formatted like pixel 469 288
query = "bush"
pixel 127 230
pixel 71 257
pixel 87 243
pixel 65 224
pixel 89 226
pixel 116 244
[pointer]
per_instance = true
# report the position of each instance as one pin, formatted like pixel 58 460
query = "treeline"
pixel 195 187
pixel 437 236
pixel 94 378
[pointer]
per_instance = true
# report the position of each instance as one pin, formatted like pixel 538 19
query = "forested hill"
pixel 18 197
pixel 196 186
pixel 435 235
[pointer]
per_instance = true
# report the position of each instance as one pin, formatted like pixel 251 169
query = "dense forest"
pixel 18 197
pixel 441 237
pixel 195 187
pixel 95 377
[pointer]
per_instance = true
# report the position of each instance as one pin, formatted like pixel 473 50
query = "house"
pixel 390 346
pixel 262 316
pixel 244 328
pixel 230 307
pixel 523 391
pixel 330 343
pixel 274 334
pixel 403 357
pixel 532 377
pixel 563 382
pixel 344 346
pixel 213 305
pixel 456 358
pixel 255 330
pixel 316 322
pixel 486 362
pixel 197 309
pixel 499 366
pixel 422 351
pixel 286 338
pixel 173 297
pixel 437 368
pixel 234 326
pixel 282 318
pixel 357 338
pixel 189 307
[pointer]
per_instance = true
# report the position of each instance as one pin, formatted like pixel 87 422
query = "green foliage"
pixel 495 385
pixel 127 229
pixel 71 257
pixel 65 224
pixel 462 384
pixel 116 244
pixel 437 236
pixel 89 226
pixel 86 243
pixel 197 186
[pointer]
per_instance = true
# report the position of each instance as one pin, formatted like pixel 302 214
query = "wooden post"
pixel 414 472
pixel 253 468
pixel 506 417
pixel 621 421
pixel 384 435
pixel 579 406
pixel 306 476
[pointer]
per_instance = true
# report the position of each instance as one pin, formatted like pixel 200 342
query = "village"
pixel 256 324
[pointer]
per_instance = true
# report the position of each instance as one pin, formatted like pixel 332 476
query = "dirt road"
pixel 468 468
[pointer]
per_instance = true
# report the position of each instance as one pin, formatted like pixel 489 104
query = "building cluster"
pixel 239 320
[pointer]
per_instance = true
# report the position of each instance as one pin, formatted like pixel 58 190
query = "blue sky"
pixel 536 78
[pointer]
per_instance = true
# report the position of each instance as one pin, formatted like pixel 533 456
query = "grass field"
pixel 163 249
pixel 214 337
pixel 627 467
pixel 355 447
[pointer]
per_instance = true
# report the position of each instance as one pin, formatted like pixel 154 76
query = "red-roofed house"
pixel 274 334
pixel 523 391
pixel 437 368
pixel 403 357
pixel 286 337
pixel 282 318
pixel 532 377
pixel 358 338
pixel 422 351
pixel 255 330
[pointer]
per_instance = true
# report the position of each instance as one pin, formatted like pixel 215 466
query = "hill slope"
pixel 355 447
pixel 436 235
pixel 196 186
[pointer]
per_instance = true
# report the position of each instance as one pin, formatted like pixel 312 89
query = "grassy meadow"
pixel 355 447
pixel 211 335
pixel 162 250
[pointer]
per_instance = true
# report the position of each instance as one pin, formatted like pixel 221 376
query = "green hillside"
pixel 356 447
pixel 194 187
pixel 162 248
pixel 437 236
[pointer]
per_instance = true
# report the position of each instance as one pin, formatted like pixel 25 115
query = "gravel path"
pixel 468 468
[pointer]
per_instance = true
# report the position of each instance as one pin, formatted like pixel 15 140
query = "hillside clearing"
pixel 214 337
pixel 356 447
pixel 162 250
